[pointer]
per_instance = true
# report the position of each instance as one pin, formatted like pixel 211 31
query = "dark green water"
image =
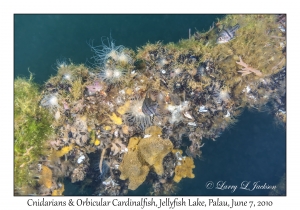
pixel 42 39
pixel 252 150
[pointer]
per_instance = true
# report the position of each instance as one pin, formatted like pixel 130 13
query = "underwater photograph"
pixel 149 105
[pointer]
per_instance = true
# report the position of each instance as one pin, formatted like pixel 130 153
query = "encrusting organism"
pixel 148 152
pixel 133 169
pixel 153 149
pixel 46 176
pixel 184 169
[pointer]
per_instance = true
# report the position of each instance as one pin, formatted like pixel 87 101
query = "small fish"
pixel 149 107
pixel 227 34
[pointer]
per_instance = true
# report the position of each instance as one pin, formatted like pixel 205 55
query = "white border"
pixel 8 8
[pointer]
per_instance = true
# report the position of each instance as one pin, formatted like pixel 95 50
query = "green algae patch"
pixel 31 129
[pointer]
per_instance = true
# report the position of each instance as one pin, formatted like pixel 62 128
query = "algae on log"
pixel 31 129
